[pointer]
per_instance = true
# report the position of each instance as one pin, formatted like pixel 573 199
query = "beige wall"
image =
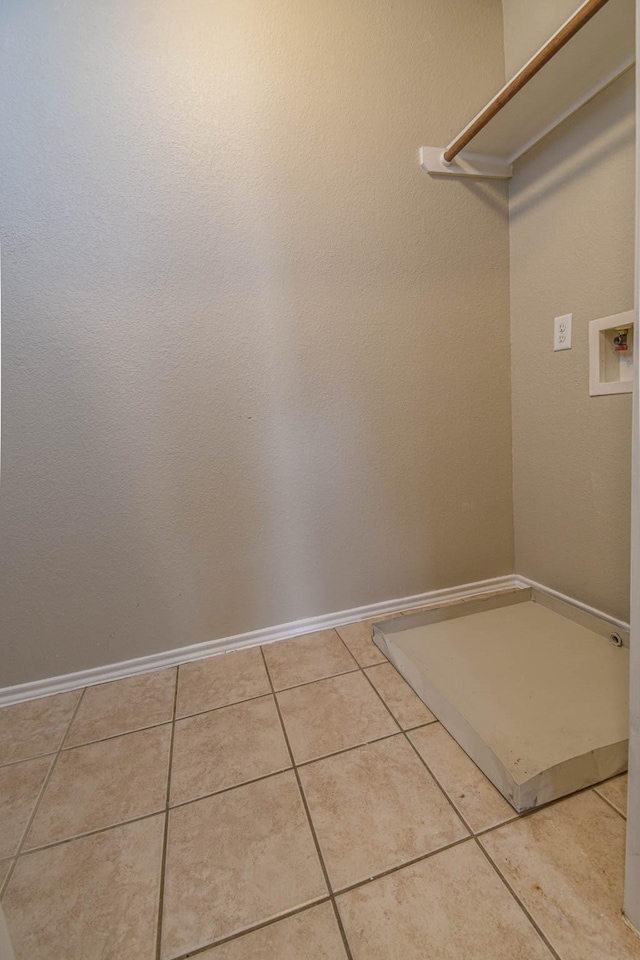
pixel 572 251
pixel 528 24
pixel 256 362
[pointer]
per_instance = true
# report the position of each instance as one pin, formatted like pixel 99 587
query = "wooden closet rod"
pixel 557 41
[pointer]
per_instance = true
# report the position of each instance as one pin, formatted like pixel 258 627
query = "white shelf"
pixel 597 55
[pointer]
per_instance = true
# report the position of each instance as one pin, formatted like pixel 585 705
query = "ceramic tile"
pixel 311 657
pixel 448 907
pixel 333 714
pixel 110 709
pixel 225 747
pixel 219 681
pixel 405 705
pixel 102 784
pixel 95 898
pixel 313 933
pixel 469 790
pixel 357 637
pixel 20 786
pixel 235 860
pixel 374 808
pixel 566 863
pixel 35 727
pixel 615 791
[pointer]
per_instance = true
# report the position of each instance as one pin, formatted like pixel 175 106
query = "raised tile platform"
pixel 532 688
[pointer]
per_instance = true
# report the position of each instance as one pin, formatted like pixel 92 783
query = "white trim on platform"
pixel 156 661
pixel 197 651
pixel 526 582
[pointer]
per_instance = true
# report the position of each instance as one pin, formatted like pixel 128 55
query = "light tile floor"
pixel 291 802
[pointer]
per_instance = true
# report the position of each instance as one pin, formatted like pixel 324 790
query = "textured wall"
pixel 528 24
pixel 572 251
pixel 256 362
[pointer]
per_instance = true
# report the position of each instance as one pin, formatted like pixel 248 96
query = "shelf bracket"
pixel 464 165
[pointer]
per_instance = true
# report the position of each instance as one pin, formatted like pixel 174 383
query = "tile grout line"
pixel 420 726
pixel 303 798
pixel 233 786
pixel 12 863
pixel 609 803
pixel 473 833
pixel 201 713
pixel 355 746
pixel 198 713
pixel 165 839
pixel 222 706
pixel 71 722
pixel 503 823
pixel 442 790
pixel 533 810
pixel 198 951
pixel 114 736
pixel 259 696
pixel 401 866
pixel 38 756
pixel 85 743
pixel 94 833
pixel 41 792
pixel 517 899
pixel 204 796
pixel 472 836
pixel 315 903
pixel 305 683
pixel 415 750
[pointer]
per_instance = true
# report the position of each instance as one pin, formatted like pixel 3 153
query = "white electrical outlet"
pixel 562 332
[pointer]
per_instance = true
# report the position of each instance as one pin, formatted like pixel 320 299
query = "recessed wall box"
pixel 611 354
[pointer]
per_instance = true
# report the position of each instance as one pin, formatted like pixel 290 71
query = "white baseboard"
pixel 170 658
pixel 156 661
pixel 526 582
